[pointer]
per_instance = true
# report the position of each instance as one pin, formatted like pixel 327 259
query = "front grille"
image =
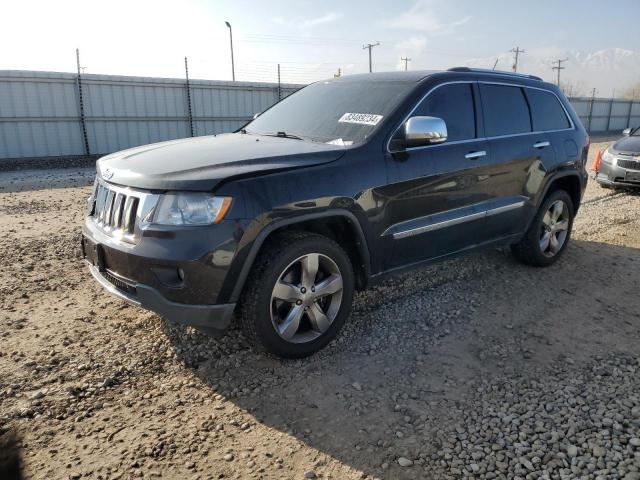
pixel 118 283
pixel 629 164
pixel 115 211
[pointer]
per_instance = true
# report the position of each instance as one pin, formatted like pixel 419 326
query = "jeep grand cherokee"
pixel 336 187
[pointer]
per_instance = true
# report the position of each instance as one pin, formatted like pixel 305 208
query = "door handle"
pixel 474 155
pixel 541 144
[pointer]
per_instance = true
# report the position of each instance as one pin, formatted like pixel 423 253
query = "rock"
pixel 356 386
pixel 404 462
pixel 310 474
pixel 228 457
pixel 598 451
pixel 634 442
pixel 572 451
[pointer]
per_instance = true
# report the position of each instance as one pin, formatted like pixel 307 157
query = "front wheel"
pixel 549 232
pixel 298 294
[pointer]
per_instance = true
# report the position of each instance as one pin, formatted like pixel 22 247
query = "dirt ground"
pixel 479 367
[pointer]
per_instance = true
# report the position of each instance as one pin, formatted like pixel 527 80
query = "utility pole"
pixel 369 46
pixel 559 67
pixel 406 60
pixel 233 70
pixel 495 64
pixel 517 52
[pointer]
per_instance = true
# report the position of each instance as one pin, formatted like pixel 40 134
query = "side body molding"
pixel 453 217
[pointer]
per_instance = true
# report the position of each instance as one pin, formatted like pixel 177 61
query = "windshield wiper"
pixel 283 135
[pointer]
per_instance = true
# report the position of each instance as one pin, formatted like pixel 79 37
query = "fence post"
pixel 279 88
pixel 190 116
pixel 610 112
pixel 81 105
pixel 593 94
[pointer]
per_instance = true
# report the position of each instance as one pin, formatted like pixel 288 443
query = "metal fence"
pixel 40 112
pixel 46 114
pixel 606 114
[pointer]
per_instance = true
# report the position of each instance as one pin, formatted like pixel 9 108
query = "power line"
pixel 559 67
pixel 406 61
pixel 516 52
pixel 369 46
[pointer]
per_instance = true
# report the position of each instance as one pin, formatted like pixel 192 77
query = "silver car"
pixel 620 162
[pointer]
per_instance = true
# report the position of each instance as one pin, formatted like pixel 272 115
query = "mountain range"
pixel 604 70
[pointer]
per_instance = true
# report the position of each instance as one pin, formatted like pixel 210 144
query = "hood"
pixel 627 145
pixel 201 163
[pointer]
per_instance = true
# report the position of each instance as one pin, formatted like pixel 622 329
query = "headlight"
pixel 190 209
pixel 607 157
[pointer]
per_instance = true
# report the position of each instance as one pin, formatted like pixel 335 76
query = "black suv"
pixel 335 187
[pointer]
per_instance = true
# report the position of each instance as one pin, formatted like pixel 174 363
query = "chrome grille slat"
pixel 118 211
pixel 108 209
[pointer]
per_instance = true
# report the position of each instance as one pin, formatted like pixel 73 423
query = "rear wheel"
pixel 298 295
pixel 549 232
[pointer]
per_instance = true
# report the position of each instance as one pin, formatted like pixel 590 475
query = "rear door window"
pixel 505 110
pixel 454 104
pixel 546 111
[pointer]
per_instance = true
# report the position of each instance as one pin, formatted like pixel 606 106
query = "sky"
pixel 310 39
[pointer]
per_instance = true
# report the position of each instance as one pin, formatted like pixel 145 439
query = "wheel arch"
pixel 340 225
pixel 563 180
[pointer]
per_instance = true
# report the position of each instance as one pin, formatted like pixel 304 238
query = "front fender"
pixel 246 256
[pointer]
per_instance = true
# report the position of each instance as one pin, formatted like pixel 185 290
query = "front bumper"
pixel 612 175
pixel 211 317
pixel 177 273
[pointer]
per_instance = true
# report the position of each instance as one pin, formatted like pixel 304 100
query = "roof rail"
pixel 495 72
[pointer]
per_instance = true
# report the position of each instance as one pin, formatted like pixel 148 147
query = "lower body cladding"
pixel 615 175
pixel 175 274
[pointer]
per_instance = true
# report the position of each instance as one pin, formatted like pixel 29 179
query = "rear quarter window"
pixel 505 110
pixel 546 111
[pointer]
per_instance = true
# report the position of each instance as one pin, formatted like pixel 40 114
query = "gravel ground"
pixel 479 367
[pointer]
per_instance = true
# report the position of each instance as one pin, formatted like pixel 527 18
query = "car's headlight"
pixel 607 157
pixel 190 209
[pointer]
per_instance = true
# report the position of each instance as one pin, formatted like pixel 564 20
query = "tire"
pixel 530 249
pixel 268 314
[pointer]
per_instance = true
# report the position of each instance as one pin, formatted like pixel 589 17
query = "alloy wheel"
pixel 554 228
pixel 306 298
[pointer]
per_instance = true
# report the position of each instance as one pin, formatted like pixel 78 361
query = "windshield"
pixel 341 112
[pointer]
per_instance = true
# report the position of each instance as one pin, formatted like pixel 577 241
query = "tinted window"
pixel 546 111
pixel 454 104
pixel 505 110
pixel 318 111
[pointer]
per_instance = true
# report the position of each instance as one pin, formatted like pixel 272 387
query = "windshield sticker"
pixel 339 141
pixel 361 118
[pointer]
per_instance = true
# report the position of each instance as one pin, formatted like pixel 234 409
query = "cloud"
pixel 422 16
pixel 326 18
pixel 412 47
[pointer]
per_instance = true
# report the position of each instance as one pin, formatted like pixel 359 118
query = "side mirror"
pixel 420 131
pixel 256 115
pixel 626 132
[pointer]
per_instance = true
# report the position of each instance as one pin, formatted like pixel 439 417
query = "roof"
pixel 419 75
pixel 399 76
